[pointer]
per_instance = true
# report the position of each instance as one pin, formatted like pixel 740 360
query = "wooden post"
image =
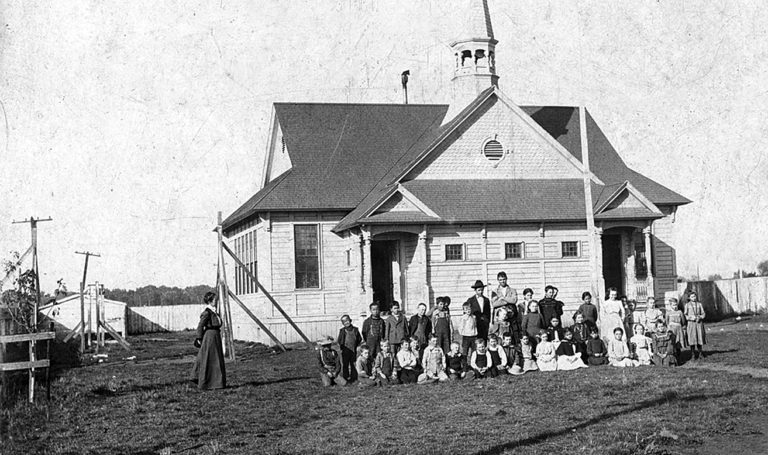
pixel 87 254
pixel 228 332
pixel 51 328
pixel 267 294
pixel 588 203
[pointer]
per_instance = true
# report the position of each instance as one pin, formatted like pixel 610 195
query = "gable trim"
pixel 270 147
pixel 407 195
pixel 626 186
pixel 545 136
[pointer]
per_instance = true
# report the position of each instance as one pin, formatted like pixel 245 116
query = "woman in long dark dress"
pixel 209 366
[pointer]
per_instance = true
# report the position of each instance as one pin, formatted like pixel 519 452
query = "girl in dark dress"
pixel 209 367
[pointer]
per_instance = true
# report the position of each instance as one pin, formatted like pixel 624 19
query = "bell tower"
pixel 474 57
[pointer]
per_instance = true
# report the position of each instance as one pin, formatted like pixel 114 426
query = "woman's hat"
pixel 478 284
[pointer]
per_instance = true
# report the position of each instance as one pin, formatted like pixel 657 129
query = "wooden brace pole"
pixel 267 294
pixel 256 320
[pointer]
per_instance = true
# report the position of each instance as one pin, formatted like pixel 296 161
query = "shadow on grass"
pixel 269 382
pixel 543 436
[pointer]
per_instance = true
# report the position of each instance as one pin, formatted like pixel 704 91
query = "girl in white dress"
pixel 545 353
pixel 612 316
pixel 618 351
pixel 642 345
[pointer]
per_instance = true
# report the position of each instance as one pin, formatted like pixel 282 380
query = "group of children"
pixel 421 349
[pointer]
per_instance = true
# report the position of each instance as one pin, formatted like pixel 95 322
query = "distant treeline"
pixel 159 295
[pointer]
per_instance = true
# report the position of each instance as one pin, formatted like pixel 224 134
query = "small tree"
pixel 21 299
pixel 762 268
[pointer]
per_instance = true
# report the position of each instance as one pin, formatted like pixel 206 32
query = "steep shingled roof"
pixel 339 152
pixel 348 157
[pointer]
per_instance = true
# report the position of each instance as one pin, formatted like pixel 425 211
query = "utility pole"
pixel 87 254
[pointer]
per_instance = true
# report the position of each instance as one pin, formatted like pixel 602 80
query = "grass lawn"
pixel 275 404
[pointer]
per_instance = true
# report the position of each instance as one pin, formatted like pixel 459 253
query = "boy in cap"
pixel 329 363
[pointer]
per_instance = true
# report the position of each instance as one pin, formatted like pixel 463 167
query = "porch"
pixel 628 259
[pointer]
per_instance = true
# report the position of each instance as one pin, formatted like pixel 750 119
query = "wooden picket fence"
pixel 723 298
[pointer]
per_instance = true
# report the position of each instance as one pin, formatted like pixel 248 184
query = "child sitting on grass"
pixel 481 361
pixel 467 329
pixel 569 354
pixel 581 331
pixel 407 362
pixel 363 366
pixel 527 355
pixel 433 362
pixel 510 350
pixel 597 353
pixel 456 364
pixel 555 332
pixel 641 345
pixel 546 357
pixel 618 351
pixel 384 365
pixel 664 353
pixel 329 364
pixel 498 356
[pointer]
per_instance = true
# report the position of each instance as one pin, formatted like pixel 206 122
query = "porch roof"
pixel 400 217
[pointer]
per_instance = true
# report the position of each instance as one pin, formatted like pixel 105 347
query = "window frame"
pixel 318 243
pixel 509 258
pixel 562 249
pixel 462 250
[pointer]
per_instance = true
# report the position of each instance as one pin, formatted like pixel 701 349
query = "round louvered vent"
pixel 493 150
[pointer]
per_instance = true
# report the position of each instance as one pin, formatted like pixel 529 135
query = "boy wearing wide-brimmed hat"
pixel 329 363
pixel 481 308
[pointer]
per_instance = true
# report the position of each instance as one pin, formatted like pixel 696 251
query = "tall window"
pixel 454 252
pixel 570 249
pixel 305 240
pixel 245 249
pixel 513 250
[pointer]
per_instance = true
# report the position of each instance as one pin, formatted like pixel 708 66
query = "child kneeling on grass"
pixel 384 365
pixel 482 362
pixel 641 345
pixel 433 362
pixel 456 364
pixel 329 364
pixel 365 376
pixel 618 351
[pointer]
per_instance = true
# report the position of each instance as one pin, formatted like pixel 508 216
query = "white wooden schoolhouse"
pixel 407 202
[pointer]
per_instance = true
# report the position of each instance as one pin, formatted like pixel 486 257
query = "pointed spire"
pixel 479 23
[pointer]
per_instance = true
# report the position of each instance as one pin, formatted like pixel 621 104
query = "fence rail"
pixel 723 298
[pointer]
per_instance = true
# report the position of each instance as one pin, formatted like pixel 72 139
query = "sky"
pixel 132 123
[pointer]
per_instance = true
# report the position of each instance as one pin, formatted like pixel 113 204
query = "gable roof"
pixel 352 157
pixel 339 152
pixel 562 123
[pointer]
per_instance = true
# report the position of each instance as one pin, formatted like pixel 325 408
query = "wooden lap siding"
pixel 664 257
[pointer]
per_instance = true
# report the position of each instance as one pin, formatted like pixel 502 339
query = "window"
pixel 513 250
pixel 305 240
pixel 245 250
pixel 348 257
pixel 570 249
pixel 493 150
pixel 454 252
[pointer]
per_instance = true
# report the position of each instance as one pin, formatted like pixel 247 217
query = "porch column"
pixel 599 252
pixel 630 287
pixel 423 248
pixel 367 277
pixel 649 260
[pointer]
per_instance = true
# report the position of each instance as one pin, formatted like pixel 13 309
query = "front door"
pixel 385 271
pixel 613 268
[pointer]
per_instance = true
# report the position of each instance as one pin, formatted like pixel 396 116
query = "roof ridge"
pixel 293 103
